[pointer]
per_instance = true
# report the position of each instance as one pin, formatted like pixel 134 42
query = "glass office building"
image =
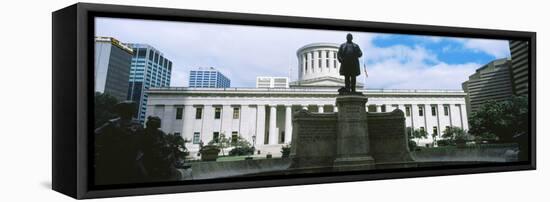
pixel 208 78
pixel 149 69
pixel 112 67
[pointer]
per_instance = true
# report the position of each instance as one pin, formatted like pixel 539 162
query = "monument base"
pixel 354 163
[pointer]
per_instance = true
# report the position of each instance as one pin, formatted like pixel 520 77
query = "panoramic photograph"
pixel 189 101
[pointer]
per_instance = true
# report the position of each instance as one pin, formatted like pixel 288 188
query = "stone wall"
pixel 388 139
pixel 313 139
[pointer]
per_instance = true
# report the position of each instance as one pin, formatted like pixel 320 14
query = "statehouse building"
pixel 263 115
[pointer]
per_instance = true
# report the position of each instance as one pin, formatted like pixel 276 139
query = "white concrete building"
pixel 264 115
pixel 271 82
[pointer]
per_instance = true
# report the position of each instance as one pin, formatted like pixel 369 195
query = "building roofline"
pixel 302 91
pixel 320 44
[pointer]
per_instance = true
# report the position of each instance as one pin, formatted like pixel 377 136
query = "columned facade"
pixel 264 118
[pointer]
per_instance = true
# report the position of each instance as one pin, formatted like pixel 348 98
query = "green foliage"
pixel 419 134
pixel 241 151
pixel 444 142
pixel 176 145
pixel 454 134
pixel 103 108
pixel 240 142
pixel 241 145
pixel 412 145
pixel 285 150
pixel 500 120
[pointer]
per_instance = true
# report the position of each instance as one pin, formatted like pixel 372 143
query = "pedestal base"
pixel 354 163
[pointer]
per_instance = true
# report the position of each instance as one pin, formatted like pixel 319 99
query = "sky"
pixel 393 61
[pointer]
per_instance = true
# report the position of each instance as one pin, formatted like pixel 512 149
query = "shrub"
pixel 285 151
pixel 241 151
pixel 412 145
pixel 444 142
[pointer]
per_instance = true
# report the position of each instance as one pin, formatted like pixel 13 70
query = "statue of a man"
pixel 348 55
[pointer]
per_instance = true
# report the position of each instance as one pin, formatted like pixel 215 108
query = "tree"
pixel 176 145
pixel 419 134
pixel 241 147
pixel 222 142
pixel 455 135
pixel 103 108
pixel 413 135
pixel 502 121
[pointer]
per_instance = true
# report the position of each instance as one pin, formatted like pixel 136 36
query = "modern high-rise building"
pixel 490 82
pixel 149 69
pixel 112 67
pixel 271 82
pixel 208 78
pixel 519 51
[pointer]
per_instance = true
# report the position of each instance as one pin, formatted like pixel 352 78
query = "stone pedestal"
pixel 352 140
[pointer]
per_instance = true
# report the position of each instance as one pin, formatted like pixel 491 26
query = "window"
pixel 305 67
pixel 177 133
pixel 407 111
pixel 434 111
pixel 434 130
pixel 327 60
pixel 198 113
pixel 383 108
pixel 236 112
pixel 447 128
pixel 196 138
pixel 217 113
pixel 141 53
pixel 420 111
pixel 234 137
pixel 372 108
pixel 216 137
pixel 179 113
pixel 446 110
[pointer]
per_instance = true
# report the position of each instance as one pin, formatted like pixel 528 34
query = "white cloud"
pixel 495 48
pixel 242 54
pixel 421 71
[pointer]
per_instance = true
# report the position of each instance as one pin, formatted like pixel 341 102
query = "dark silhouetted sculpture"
pixel 157 157
pixel 348 55
pixel 117 147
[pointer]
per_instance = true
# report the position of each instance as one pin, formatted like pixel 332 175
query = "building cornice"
pixel 300 92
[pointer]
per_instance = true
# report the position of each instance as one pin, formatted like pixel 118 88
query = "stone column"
pixel 273 124
pixel 320 108
pixel 378 108
pixel 352 141
pixel 260 125
pixel 227 120
pixel 168 118
pixel 335 108
pixel 188 122
pixel 288 123
pixel 464 116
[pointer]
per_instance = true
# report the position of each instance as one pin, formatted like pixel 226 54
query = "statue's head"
pixel 153 122
pixel 349 37
pixel 125 109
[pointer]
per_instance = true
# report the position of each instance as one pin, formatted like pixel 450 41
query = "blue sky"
pixel 243 52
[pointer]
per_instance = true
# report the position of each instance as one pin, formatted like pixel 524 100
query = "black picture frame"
pixel 72 83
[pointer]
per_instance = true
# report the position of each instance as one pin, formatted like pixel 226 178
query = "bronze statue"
pixel 348 55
